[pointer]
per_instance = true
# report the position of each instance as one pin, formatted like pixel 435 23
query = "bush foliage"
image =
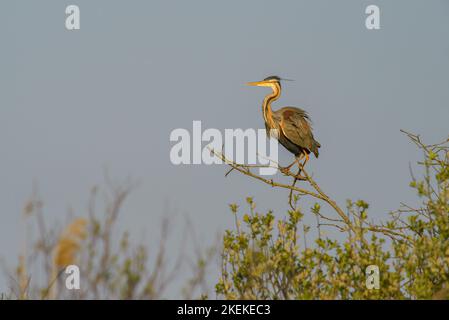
pixel 265 258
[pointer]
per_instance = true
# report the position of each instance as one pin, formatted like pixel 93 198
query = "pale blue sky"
pixel 109 95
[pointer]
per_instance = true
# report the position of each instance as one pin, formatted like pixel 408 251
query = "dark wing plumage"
pixel 296 127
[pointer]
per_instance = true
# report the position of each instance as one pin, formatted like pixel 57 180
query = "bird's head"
pixel 270 81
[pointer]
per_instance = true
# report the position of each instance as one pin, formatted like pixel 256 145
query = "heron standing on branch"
pixel 293 125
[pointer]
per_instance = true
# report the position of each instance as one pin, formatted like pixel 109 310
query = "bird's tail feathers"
pixel 316 146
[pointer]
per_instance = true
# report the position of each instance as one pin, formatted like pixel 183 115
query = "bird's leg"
pixel 306 157
pixel 286 170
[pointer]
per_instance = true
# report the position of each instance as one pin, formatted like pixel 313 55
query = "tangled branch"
pixel 343 223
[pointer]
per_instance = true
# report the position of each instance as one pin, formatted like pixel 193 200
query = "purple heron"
pixel 293 125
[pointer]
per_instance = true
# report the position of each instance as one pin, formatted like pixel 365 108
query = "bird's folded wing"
pixel 296 128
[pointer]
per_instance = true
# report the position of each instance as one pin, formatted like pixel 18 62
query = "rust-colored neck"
pixel 266 106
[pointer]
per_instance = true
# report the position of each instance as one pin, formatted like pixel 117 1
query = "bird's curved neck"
pixel 266 106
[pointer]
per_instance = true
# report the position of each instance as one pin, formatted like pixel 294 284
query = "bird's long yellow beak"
pixel 258 83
